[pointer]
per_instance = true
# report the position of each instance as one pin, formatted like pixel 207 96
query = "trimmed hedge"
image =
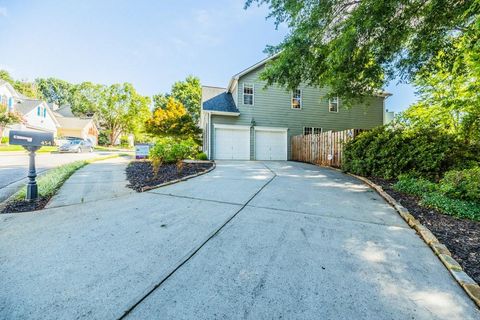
pixel 388 153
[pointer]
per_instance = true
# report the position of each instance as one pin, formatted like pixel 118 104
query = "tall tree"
pixel 122 110
pixel 160 101
pixel 173 120
pixel 28 89
pixel 55 90
pixel 356 47
pixel 86 97
pixel 5 75
pixel 449 89
pixel 188 92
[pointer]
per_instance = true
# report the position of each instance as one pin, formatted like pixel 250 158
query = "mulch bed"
pixel 140 173
pixel 461 236
pixel 24 206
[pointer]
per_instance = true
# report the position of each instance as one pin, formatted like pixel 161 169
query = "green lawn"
pixel 113 148
pixel 7 147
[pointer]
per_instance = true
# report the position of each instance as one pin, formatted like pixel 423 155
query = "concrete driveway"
pixel 249 240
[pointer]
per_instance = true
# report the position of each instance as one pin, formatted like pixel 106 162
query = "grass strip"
pixel 50 182
pixel 102 148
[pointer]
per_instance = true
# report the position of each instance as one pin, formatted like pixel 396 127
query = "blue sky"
pixel 148 43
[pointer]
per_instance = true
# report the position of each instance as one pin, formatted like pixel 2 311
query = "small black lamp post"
pixel 31 141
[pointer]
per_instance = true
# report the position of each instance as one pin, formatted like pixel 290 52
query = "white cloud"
pixel 3 12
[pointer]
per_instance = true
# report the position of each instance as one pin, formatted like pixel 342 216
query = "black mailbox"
pixel 30 138
pixel 31 141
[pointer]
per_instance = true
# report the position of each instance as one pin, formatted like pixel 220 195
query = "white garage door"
pixel 270 144
pixel 232 143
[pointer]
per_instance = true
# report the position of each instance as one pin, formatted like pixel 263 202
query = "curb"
pixel 468 284
pixel 148 188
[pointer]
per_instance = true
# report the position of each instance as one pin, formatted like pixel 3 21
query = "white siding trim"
pixel 270 129
pixel 230 126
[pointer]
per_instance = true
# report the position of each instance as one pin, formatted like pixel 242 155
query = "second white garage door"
pixel 270 144
pixel 232 143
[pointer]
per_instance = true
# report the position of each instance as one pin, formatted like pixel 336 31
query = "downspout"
pixel 209 136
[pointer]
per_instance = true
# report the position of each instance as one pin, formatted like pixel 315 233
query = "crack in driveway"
pixel 192 253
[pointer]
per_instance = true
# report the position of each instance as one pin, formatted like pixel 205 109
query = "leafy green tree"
pixel 173 121
pixel 449 88
pixel 86 98
pixel 160 100
pixel 28 89
pixel 122 110
pixel 356 47
pixel 188 92
pixel 55 90
pixel 5 75
pixel 7 118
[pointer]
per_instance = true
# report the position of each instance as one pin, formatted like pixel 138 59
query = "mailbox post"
pixel 31 141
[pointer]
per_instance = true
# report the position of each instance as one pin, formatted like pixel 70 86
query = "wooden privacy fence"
pixel 324 149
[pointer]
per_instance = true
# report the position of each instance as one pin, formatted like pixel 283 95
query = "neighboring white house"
pixel 8 95
pixel 36 115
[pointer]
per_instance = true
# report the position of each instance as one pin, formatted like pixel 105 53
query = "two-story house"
pixel 249 121
pixel 37 116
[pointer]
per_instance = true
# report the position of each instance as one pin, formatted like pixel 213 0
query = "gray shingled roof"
pixel 217 99
pixel 25 106
pixel 73 123
pixel 65 111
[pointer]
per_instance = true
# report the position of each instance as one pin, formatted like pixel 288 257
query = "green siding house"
pixel 248 121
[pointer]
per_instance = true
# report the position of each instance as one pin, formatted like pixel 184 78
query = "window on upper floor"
pixel 297 99
pixel 311 130
pixel 333 104
pixel 39 110
pixel 248 92
pixel 44 112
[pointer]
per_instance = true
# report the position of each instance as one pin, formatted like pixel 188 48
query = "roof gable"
pixel 217 99
pixel 257 65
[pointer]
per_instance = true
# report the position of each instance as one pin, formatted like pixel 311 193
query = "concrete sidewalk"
pixel 249 240
pixel 97 181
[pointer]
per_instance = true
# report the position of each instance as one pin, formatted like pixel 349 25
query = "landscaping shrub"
pixel 462 184
pixel 389 152
pixel 454 207
pixel 432 195
pixel 103 139
pixel 4 140
pixel 415 186
pixel 169 150
pixel 124 142
pixel 202 156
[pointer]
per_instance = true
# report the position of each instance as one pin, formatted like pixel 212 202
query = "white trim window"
pixel 333 104
pixel 248 94
pixel 297 99
pixel 311 130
